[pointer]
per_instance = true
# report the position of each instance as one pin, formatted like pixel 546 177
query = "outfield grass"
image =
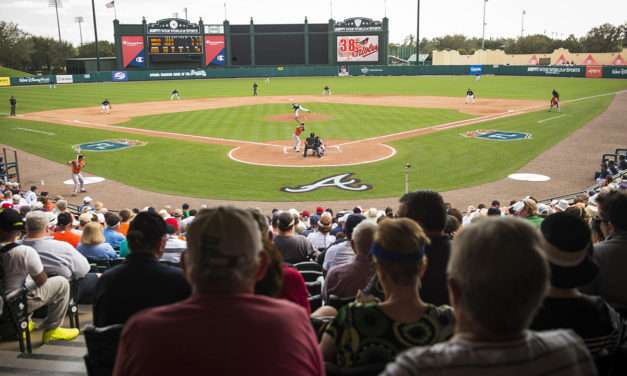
pixel 81 95
pixel 346 122
pixel 441 161
pixel 8 72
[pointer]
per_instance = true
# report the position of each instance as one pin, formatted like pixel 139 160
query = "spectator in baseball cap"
pixel 21 262
pixel 294 248
pixel 225 258
pixel 568 249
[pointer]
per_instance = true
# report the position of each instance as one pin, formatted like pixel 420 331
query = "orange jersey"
pixel 298 131
pixel 77 166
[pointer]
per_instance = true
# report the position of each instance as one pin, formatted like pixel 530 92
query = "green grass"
pixel 81 95
pixel 346 122
pixel 441 161
pixel 8 72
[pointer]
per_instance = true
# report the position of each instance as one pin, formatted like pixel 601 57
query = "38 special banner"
pixel 358 48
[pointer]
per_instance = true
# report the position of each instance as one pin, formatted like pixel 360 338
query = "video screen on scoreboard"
pixel 362 48
pixel 175 44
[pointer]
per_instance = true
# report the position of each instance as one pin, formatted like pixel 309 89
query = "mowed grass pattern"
pixel 82 95
pixel 346 122
pixel 441 161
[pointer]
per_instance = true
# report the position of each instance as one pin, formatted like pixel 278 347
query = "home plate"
pixel 529 177
pixel 87 180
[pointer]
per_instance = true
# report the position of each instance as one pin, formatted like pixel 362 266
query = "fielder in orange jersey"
pixel 296 136
pixel 77 165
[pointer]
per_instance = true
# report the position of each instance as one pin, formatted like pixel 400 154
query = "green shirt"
pixel 365 335
pixel 537 221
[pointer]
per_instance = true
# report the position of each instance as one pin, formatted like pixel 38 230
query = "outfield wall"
pixel 323 70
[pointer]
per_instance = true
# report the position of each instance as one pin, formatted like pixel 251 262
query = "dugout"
pixel 175 43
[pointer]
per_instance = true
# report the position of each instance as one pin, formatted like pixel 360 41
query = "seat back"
pixel 308 266
pixel 310 275
pixel 339 302
pixel 102 346
pixel 372 369
pixel 314 288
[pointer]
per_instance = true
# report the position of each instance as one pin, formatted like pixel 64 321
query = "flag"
pixel 110 5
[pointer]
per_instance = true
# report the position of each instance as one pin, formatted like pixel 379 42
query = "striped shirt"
pixel 552 353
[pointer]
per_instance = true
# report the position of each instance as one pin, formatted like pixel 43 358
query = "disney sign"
pixel 342 181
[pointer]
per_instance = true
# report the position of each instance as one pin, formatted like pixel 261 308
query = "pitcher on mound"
pixel 297 108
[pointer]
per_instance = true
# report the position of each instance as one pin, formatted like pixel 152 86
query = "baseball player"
pixel 319 144
pixel 296 136
pixel 13 104
pixel 175 95
pixel 470 96
pixel 77 165
pixel 555 101
pixel 255 87
pixel 297 108
pixel 326 90
pixel 105 106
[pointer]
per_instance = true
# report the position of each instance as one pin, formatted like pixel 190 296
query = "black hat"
pixel 568 250
pixel 11 220
pixel 494 211
pixel 285 221
pixel 351 222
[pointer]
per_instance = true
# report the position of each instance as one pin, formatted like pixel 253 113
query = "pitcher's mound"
pixel 304 117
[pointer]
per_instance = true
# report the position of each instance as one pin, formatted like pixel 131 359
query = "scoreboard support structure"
pixel 174 43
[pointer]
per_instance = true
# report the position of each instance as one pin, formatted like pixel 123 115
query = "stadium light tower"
pixel 522 24
pixel 79 20
pixel 485 3
pixel 56 4
pixel 418 32
pixel 93 11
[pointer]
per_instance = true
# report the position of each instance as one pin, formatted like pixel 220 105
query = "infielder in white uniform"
pixel 297 108
pixel 175 95
pixel 106 106
pixel 470 96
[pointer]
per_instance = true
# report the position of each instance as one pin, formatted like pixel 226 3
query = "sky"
pixel 438 17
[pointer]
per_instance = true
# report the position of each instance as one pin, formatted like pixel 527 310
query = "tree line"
pixel 603 38
pixel 22 51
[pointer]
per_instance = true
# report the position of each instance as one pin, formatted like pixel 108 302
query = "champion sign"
pixel 119 76
pixel 342 181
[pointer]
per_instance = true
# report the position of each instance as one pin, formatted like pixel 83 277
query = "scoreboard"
pixel 175 44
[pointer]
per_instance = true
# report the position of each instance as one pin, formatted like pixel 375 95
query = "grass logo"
pixel 342 181
pixel 493 135
pixel 108 145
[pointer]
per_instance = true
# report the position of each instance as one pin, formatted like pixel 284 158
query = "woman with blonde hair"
pixel 374 333
pixel 93 245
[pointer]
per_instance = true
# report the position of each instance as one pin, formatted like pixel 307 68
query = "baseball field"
pixel 220 142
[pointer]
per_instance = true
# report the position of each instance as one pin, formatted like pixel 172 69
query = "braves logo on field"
pixel 342 181
pixel 497 135
pixel 107 145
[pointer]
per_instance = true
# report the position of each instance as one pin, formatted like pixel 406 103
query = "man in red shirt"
pixel 223 328
pixel 77 165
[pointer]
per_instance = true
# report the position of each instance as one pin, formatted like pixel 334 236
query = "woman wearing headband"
pixel 374 333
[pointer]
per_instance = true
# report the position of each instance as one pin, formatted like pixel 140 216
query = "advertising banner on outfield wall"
pixel 475 70
pixel 594 71
pixel 119 76
pixel 65 79
pixel 359 49
pixel 43 80
pixel 615 72
pixel 214 50
pixel 555 71
pixel 5 81
pixel 133 51
pixel 192 73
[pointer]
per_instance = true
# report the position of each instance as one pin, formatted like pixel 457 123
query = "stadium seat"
pixel 314 288
pixel 315 302
pixel 308 266
pixel 310 275
pixel 338 302
pixel 72 310
pixel 334 370
pixel 14 318
pixel 102 345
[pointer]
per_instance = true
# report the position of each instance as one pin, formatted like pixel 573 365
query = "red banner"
pixel 593 71
pixel 132 51
pixel 214 49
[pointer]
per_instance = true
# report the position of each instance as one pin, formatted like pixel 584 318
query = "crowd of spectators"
pixel 524 288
